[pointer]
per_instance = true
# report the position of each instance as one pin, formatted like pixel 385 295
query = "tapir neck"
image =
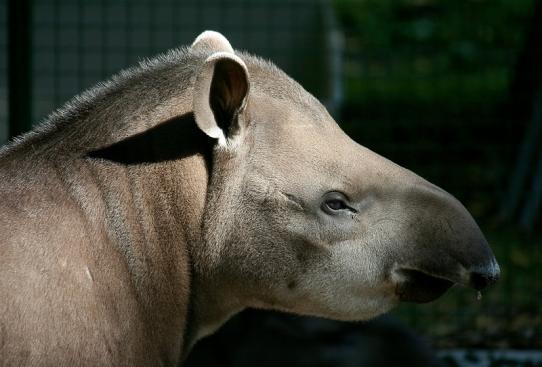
pixel 215 296
pixel 153 215
pixel 167 210
pixel 212 304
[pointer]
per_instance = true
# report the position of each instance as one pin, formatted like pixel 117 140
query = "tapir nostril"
pixel 480 281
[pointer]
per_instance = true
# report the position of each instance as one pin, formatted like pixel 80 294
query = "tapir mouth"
pixel 420 287
pixel 415 285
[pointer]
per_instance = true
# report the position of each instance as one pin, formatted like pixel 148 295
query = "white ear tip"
pixel 212 40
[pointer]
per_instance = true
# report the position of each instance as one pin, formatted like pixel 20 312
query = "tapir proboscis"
pixel 147 211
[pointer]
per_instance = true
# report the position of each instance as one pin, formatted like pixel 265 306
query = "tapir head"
pixel 301 218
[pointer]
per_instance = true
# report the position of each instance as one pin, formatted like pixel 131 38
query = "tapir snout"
pixel 443 245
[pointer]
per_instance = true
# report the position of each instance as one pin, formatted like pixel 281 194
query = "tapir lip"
pixel 415 285
pixel 419 286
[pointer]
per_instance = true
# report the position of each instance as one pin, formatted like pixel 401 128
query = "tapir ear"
pixel 211 41
pixel 220 94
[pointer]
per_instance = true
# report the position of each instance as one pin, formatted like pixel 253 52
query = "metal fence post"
pixel 19 66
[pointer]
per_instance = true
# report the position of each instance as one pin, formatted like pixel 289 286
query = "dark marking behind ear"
pixel 229 88
pixel 174 139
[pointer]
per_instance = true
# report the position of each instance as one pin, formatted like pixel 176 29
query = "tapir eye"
pixel 335 202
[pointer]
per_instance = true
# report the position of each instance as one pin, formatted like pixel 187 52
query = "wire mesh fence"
pixel 76 44
pixel 416 83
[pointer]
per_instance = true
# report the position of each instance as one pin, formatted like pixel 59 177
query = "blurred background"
pixel 451 89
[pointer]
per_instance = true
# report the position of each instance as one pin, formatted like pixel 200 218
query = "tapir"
pixel 140 216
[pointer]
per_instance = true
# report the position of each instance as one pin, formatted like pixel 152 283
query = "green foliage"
pixel 410 49
pixel 463 26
